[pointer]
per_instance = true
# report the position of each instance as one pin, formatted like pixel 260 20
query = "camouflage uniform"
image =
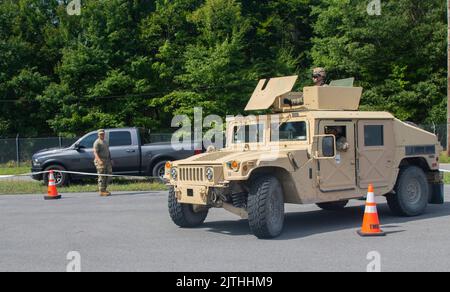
pixel 341 144
pixel 104 166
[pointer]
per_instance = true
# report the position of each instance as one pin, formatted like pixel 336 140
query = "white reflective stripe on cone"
pixel 371 209
pixel 370 198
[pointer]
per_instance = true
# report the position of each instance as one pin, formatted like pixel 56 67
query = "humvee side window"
pixel 291 131
pixel 337 131
pixel 248 134
pixel 373 135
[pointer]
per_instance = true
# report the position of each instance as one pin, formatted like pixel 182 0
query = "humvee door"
pixel 375 153
pixel 337 177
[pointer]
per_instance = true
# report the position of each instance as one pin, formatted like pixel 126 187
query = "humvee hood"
pixel 222 157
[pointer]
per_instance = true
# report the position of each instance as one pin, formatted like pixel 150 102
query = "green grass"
pixel 446 178
pixel 443 158
pixel 13 187
pixel 21 187
pixel 7 169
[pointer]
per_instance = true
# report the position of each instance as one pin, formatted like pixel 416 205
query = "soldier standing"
pixel 102 162
pixel 319 75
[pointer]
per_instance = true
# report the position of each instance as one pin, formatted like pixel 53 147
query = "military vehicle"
pixel 316 148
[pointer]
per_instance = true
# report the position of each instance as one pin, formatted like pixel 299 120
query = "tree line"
pixel 140 62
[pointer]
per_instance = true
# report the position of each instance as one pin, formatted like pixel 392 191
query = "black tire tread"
pixel 259 194
pixel 394 202
pixel 182 215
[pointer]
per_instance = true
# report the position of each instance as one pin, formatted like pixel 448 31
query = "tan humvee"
pixel 316 148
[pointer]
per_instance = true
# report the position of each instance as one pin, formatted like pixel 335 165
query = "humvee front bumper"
pixel 195 195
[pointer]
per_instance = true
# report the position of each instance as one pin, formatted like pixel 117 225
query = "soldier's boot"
pixel 105 194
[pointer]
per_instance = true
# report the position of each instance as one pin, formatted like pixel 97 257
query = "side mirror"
pixel 78 147
pixel 324 147
pixel 328 147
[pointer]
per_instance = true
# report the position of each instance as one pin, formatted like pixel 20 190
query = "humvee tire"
pixel 411 193
pixel 183 215
pixel 266 207
pixel 333 206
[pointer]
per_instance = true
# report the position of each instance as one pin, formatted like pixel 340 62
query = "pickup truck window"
pixel 122 138
pixel 145 136
pixel 88 142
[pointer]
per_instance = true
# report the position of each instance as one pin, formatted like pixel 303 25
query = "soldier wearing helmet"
pixel 319 76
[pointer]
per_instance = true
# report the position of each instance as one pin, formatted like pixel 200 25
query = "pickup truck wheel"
pixel 411 193
pixel 159 169
pixel 266 207
pixel 183 215
pixel 61 179
pixel 333 206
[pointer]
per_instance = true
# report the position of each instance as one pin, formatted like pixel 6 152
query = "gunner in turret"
pixel 319 76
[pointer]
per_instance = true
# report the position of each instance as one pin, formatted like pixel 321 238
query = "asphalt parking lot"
pixel 133 232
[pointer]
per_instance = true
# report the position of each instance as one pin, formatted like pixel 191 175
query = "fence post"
pixel 60 141
pixel 17 150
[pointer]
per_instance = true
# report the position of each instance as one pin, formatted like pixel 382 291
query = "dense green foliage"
pixel 139 62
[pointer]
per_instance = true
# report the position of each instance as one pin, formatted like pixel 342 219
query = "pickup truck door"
pixel 125 151
pixel 83 160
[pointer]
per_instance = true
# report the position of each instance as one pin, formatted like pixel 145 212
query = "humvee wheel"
pixel 266 207
pixel 333 206
pixel 411 193
pixel 183 215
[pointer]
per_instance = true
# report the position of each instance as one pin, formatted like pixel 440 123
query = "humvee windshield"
pixel 253 133
pixel 290 131
pixel 284 132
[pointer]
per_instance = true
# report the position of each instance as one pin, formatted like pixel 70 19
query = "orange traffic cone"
pixel 371 224
pixel 52 193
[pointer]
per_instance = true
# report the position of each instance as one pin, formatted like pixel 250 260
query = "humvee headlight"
pixel 210 173
pixel 168 165
pixel 173 173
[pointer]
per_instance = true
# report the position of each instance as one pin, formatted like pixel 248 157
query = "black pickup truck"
pixel 131 150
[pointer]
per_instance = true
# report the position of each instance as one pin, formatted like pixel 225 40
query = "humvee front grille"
pixel 191 174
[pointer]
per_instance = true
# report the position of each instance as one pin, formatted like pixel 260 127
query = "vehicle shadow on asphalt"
pixel 304 224
pixel 139 193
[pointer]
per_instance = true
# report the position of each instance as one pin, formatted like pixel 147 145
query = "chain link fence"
pixel 20 150
pixel 440 131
